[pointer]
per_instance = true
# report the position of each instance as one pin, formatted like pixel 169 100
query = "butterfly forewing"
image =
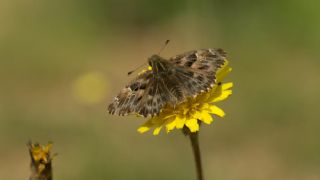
pixel 207 60
pixel 131 95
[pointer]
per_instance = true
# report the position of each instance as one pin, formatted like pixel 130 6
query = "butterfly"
pixel 169 82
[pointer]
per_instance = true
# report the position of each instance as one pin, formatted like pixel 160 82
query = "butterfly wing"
pixel 149 92
pixel 206 60
pixel 171 88
pixel 190 82
pixel 131 95
pixel 158 93
pixel 196 70
pixel 185 76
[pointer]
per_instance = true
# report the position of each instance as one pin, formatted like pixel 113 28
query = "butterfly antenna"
pixel 130 72
pixel 164 46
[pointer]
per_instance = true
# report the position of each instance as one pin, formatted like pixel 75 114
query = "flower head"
pixel 193 111
pixel 40 160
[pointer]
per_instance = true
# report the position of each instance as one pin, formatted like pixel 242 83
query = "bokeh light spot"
pixel 90 88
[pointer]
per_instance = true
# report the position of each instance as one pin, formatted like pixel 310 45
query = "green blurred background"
pixel 62 61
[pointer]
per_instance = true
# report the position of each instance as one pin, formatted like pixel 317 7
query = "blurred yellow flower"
pixel 195 110
pixel 90 88
pixel 41 167
pixel 40 153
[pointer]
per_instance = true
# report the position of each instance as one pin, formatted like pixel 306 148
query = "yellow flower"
pixel 40 159
pixel 195 110
pixel 40 153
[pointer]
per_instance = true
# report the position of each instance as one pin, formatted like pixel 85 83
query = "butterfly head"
pixel 158 63
pixel 153 59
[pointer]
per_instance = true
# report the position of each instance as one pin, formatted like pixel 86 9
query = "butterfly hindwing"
pixel 192 81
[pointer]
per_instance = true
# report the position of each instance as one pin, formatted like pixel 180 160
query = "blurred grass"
pixel 271 128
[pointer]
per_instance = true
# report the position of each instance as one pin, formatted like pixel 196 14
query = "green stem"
pixel 196 152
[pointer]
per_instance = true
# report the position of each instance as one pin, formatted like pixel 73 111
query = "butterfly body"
pixel 159 64
pixel 170 82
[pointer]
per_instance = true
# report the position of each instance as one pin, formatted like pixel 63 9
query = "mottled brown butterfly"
pixel 169 82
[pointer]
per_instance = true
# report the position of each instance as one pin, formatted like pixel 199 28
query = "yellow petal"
pixel 180 121
pixel 171 124
pixel 205 105
pixel 143 129
pixel 196 115
pixel 223 74
pixel 223 71
pixel 224 95
pixel 214 94
pixel 226 86
pixel 217 111
pixel 193 125
pixel 156 131
pixel 206 117
pixel 218 90
pixel 47 147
